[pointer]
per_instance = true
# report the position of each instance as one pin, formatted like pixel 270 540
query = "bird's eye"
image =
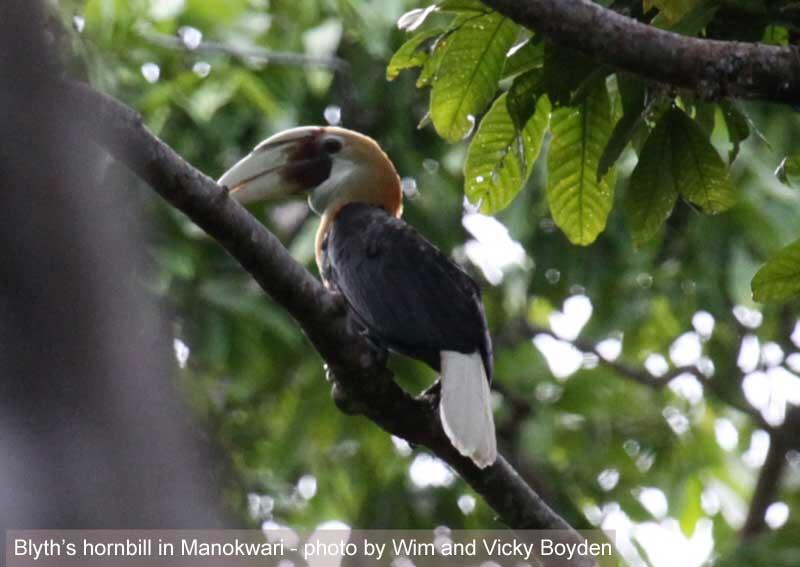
pixel 332 145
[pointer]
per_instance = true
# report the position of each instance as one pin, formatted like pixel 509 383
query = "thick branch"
pixel 361 384
pixel 712 68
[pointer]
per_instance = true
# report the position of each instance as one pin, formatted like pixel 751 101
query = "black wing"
pixel 410 296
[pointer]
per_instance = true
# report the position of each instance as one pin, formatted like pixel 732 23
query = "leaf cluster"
pixel 586 122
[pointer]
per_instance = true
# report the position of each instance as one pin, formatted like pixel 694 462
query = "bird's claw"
pixel 338 303
pixel 224 194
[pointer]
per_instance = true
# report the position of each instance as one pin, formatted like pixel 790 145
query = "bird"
pixel 406 295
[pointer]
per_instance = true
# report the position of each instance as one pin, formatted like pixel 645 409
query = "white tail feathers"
pixel 465 407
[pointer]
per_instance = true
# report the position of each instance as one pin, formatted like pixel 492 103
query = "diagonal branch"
pixel 711 68
pixel 361 384
pixel 253 53
pixel 641 375
pixel 782 438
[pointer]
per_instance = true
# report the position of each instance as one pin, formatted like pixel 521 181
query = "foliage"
pixel 566 154
pixel 676 159
pixel 470 50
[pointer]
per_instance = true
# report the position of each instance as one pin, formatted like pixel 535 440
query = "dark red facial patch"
pixel 308 164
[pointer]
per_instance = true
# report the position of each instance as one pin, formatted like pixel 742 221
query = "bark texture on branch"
pixel 711 68
pixel 361 383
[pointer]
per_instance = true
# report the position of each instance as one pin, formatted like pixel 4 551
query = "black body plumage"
pixel 409 296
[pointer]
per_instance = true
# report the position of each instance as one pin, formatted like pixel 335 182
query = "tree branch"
pixel 257 54
pixel 767 485
pixel 641 375
pixel 782 438
pixel 361 384
pixel 711 68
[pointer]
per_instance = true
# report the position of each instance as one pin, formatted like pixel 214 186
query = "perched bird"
pixel 409 297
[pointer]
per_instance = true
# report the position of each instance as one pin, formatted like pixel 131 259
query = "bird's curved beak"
pixel 278 167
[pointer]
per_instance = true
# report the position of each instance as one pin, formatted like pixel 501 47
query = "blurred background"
pixel 584 337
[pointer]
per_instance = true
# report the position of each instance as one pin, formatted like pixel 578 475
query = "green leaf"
pixel 593 80
pixel 413 53
pixel 468 74
pixel 677 158
pixel 692 22
pixel 696 20
pixel 673 10
pixel 700 174
pixel 463 6
pixel 652 191
pixel 704 115
pixel 565 71
pixel 500 157
pixel 431 64
pixel 579 203
pixel 524 57
pixel 737 126
pixel 788 171
pixel 523 96
pixel 436 53
pixel 775 35
pixel 779 278
pixel 633 113
pixel 632 92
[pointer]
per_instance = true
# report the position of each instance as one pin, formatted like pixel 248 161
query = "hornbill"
pixel 408 296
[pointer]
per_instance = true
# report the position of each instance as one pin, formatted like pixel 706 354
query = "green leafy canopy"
pixel 470 62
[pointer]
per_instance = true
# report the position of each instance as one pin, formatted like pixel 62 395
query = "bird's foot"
pixel 338 304
pixel 223 195
pixel 381 354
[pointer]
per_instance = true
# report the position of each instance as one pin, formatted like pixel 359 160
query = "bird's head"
pixel 332 166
